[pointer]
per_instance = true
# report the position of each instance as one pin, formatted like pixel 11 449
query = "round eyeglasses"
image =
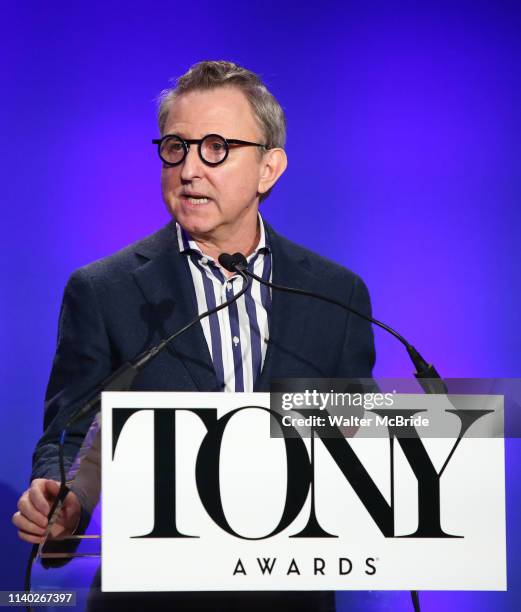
pixel 213 149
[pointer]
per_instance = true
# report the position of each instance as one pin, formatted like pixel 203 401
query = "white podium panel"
pixel 198 496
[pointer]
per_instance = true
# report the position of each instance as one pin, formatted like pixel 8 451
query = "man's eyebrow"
pixel 181 134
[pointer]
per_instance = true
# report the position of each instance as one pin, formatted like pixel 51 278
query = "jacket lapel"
pixel 289 314
pixel 164 278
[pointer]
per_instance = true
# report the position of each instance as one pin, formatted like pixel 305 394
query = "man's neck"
pixel 240 242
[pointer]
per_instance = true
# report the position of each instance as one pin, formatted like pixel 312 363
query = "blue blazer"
pixel 117 307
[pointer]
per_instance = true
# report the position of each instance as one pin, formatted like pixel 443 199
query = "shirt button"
pixel 228 286
pixel 235 340
pixel 204 261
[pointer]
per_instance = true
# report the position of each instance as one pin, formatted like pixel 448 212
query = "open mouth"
pixel 195 200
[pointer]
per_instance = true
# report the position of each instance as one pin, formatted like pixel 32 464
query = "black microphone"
pixel 426 373
pixel 228 262
pixel 120 380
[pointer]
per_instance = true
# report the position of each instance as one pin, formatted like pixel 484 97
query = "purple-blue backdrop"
pixel 403 142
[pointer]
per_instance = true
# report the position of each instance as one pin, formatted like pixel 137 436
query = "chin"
pixel 195 227
pixel 192 220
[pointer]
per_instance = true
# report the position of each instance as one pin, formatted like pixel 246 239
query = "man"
pixel 222 149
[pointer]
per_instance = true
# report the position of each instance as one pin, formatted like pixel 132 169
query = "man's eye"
pixel 175 146
pixel 217 146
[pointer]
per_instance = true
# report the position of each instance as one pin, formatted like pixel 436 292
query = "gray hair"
pixel 213 74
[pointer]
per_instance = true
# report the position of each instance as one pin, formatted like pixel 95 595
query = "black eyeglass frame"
pixel 186 142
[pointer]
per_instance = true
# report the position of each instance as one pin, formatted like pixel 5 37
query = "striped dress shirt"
pixel 236 336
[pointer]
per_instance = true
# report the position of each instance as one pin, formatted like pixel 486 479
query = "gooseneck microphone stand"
pixel 120 380
pixel 426 373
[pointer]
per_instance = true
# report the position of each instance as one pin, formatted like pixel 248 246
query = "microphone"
pixel 120 380
pixel 228 262
pixel 425 373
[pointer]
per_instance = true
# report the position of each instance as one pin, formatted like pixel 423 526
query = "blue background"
pixel 403 143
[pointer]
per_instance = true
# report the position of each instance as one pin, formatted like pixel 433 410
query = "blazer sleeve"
pixel 81 363
pixel 358 352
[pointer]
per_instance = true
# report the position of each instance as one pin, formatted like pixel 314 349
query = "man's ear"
pixel 273 164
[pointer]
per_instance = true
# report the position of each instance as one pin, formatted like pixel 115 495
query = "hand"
pixel 34 506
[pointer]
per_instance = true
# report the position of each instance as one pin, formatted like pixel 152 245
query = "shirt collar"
pixel 188 246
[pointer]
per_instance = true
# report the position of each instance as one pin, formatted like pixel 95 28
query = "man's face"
pixel 230 189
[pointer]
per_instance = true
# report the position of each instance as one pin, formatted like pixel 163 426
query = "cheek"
pixel 168 185
pixel 240 181
pixel 169 180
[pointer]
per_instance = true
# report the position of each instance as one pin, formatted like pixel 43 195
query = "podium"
pixel 235 492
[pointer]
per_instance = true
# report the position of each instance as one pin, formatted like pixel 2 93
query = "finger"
pixel 68 518
pixel 30 512
pixel 51 488
pixel 24 524
pixel 61 530
pixel 71 502
pixel 28 537
pixel 38 498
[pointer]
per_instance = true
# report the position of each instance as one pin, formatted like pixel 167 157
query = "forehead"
pixel 224 111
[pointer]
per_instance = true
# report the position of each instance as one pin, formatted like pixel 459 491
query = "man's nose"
pixel 192 165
